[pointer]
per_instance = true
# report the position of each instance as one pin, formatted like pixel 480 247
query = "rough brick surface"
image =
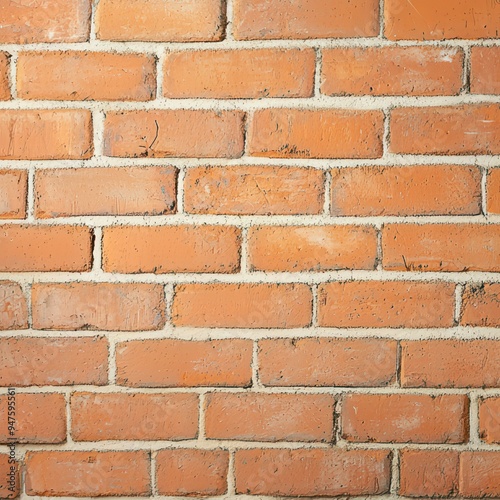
pixel 13 193
pixel 485 73
pixel 13 307
pixel 4 76
pixel 489 420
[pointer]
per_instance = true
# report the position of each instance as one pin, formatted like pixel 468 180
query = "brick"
pixel 386 304
pixel 239 74
pixel 98 306
pixel 462 130
pixel 254 190
pixel 160 20
pixel 299 133
pixel 45 21
pixel 53 361
pixel 481 305
pixel 39 418
pixel 97 417
pixel 68 192
pixel 10 485
pixel 484 72
pixel 13 307
pixel 440 363
pixel 190 472
pixel 174 133
pixel 313 472
pixel 45 134
pixel 327 362
pixel 86 76
pixel 45 248
pixel 479 474
pixel 447 19
pixel 230 305
pixel 183 363
pixel 316 248
pixel 405 418
pixel 493 191
pixel 392 71
pixel 13 194
pixel 428 473
pixel 269 417
pixel 441 247
pixel 87 473
pixel 408 190
pixel 172 249
pixel 489 420
pixel 4 76
pixel 265 19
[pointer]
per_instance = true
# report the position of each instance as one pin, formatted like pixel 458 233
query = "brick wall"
pixel 250 248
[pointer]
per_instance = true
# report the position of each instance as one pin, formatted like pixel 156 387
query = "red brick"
pixel 489 420
pixel 327 362
pixel 242 305
pixel 299 133
pixel 98 306
pixel 316 248
pixel 481 305
pixel 408 190
pixel 13 307
pixel 479 474
pixel 441 247
pixel 485 71
pixel 4 76
pixel 172 249
pixel 13 194
pixel 392 71
pixel 53 361
pixel 450 363
pixel 493 191
pixel 183 363
pixel 174 133
pixel 313 472
pixel 97 417
pixel 87 473
pixel 10 485
pixel 269 417
pixel 386 304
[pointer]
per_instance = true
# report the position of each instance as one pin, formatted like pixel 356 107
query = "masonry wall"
pixel 250 248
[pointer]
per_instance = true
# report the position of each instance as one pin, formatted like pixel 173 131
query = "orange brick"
pixel 485 71
pixel 183 363
pixel 428 473
pixel 479 474
pixel 45 248
pixel 169 249
pixel 493 191
pixel 327 362
pixel 266 19
pixel 87 473
pixel 320 133
pixel 39 418
pixel 254 190
pixel 13 194
pixel 392 71
pixel 231 74
pixel 182 472
pixel 386 304
pixel 13 307
pixel 174 133
pixel 83 76
pixel 316 248
pixel 39 21
pixel 441 247
pixel 450 363
pixel 489 420
pixel 160 20
pixel 269 417
pixel 481 305
pixel 53 361
pixel 67 192
pixel 242 305
pixel 98 306
pixel 10 484
pixel 405 418
pixel 45 134
pixel 408 190
pixel 313 472
pixel 463 130
pixel 97 417
pixel 4 75
pixel 447 19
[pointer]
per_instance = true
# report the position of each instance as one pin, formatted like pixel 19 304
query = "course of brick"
pixel 250 248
